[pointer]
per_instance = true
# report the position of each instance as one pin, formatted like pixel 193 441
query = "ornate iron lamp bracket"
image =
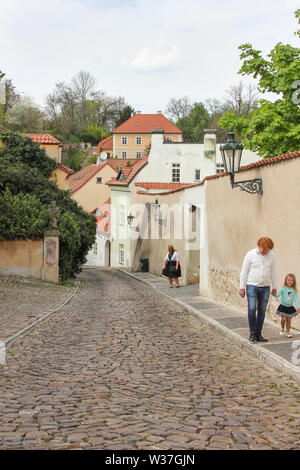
pixel 250 186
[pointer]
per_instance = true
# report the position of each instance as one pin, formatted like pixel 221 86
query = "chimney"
pixel 159 112
pixel 138 112
pixel 210 144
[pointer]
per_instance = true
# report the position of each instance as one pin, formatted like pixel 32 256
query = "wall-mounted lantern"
pixel 231 154
pixel 130 218
pixel 155 208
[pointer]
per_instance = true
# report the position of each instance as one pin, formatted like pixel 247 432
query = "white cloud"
pixel 150 59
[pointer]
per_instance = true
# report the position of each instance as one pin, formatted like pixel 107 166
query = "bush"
pixel 22 216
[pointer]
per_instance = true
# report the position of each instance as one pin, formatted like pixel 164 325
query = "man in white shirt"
pixel 258 271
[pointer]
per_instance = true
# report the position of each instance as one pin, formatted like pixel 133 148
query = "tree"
pixel 25 116
pixel 8 96
pixel 73 107
pixel 179 108
pixel 194 124
pixel 274 127
pixel 125 114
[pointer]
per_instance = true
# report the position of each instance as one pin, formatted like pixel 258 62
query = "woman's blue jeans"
pixel 257 304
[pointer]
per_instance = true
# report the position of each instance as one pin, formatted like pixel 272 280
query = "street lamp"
pixel 130 218
pixel 231 154
pixel 156 207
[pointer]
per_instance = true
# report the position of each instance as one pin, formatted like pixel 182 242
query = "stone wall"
pixel 31 258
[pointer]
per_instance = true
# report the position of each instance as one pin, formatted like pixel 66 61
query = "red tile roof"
pixel 105 144
pixel 163 186
pixel 129 173
pixel 64 168
pixel 81 177
pixel 145 124
pixel 43 139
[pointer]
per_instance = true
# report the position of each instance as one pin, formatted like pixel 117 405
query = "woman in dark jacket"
pixel 171 267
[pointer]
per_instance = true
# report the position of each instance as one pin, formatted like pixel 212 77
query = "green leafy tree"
pixel 194 123
pixel 125 114
pixel 274 127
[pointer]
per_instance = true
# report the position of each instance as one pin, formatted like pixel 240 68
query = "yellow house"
pixel 132 139
pixel 52 146
pixel 61 176
pixel 88 186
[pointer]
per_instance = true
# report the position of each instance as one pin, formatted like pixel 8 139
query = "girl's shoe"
pixel 289 335
pixel 281 333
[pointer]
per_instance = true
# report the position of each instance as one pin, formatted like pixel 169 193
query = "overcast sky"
pixel 145 50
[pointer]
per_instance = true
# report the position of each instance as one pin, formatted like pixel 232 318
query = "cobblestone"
pixel 122 367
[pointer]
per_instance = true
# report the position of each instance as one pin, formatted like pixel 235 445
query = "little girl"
pixel 286 308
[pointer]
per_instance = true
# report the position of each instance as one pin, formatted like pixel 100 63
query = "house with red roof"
pixel 132 139
pixel 121 193
pixel 52 146
pixel 88 186
pixel 61 176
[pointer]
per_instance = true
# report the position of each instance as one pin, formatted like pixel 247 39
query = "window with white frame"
pixel 122 215
pixel 121 254
pixel 138 141
pixel 138 154
pixel 175 172
pixel 95 248
pixel 197 174
pixel 124 154
pixel 124 140
pixel 220 168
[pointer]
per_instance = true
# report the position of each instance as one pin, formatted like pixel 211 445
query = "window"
pixel 138 154
pixel 124 154
pixel 176 172
pixel 121 253
pixel 220 168
pixel 197 175
pixel 124 140
pixel 95 249
pixel 99 180
pixel 122 215
pixel 138 141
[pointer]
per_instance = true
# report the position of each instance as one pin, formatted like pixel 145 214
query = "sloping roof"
pixel 43 139
pixel 145 124
pixel 64 168
pixel 126 174
pixel 81 177
pixel 105 144
pixel 163 186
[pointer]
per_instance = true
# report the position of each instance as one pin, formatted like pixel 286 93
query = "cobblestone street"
pixel 122 367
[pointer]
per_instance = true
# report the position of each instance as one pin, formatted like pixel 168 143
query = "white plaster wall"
pixel 189 155
pixel 120 233
pixel 98 259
